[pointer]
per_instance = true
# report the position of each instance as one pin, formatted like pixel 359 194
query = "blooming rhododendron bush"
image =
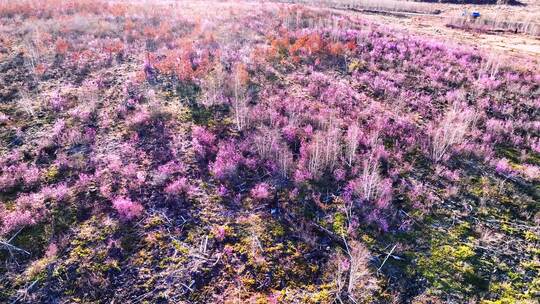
pixel 216 152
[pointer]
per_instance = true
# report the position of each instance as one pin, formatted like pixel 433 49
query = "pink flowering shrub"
pixel 127 209
pixel 166 171
pixel 203 141
pixel 531 172
pixel 3 118
pixel 16 175
pixel 220 232
pixel 178 187
pixel 14 220
pixel 57 193
pixel 28 210
pixel 228 161
pixel 140 118
pixel 502 166
pixel 58 102
pixel 84 181
pixel 260 192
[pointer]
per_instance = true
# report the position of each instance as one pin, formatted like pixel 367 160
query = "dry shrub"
pixel 352 277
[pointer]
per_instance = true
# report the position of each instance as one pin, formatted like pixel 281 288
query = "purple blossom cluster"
pixel 126 208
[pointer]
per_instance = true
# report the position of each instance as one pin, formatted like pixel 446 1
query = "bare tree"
pixel 451 131
pixel 26 103
pixel 240 97
pixel 361 282
pixel 269 145
pixel 370 178
pixel 212 86
pixel 489 66
pixel 324 151
pixel 351 143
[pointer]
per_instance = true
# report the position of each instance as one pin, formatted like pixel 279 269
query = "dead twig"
pixel 387 256
pixel 23 293
pixel 188 287
pixel 10 247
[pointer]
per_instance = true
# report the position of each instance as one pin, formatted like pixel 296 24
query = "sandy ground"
pixel 514 46
pixel 523 47
pixel 517 48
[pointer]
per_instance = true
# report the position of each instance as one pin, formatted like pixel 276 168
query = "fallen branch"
pixel 387 256
pixel 188 287
pixel 24 292
pixel 10 247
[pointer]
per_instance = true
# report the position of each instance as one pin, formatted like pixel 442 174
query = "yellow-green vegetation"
pixel 508 292
pixel 87 251
pixel 339 226
pixel 261 242
pixel 516 158
pixel 51 174
pixel 322 295
pixel 355 65
pixel 531 236
pixel 450 264
pixel 37 269
pixel 308 294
